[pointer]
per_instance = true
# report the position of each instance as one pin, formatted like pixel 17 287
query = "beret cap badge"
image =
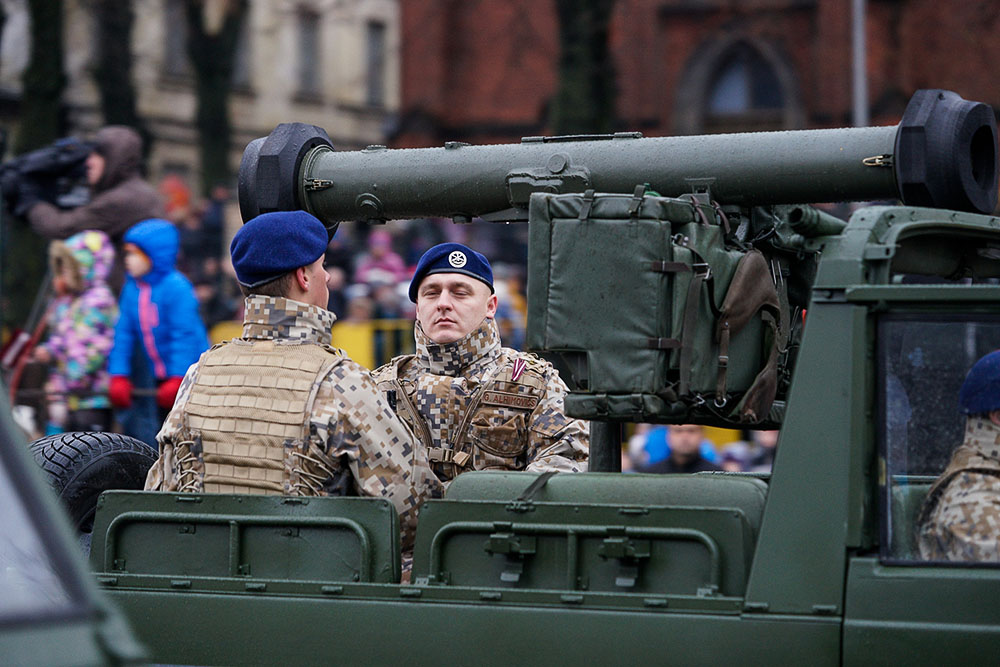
pixel 451 258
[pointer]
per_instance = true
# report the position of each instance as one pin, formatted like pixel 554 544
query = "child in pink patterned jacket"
pixel 81 330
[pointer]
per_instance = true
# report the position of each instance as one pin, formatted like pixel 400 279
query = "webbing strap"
pixel 535 486
pixel 722 217
pixel 688 332
pixel 663 343
pixel 670 267
pixel 720 378
pixel 636 202
pixel 588 202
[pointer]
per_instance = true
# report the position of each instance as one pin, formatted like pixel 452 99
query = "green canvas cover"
pixel 610 300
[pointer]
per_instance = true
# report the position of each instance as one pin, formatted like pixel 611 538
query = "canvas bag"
pixel 625 294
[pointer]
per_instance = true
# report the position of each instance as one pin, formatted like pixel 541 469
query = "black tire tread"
pixel 79 465
pixel 63 454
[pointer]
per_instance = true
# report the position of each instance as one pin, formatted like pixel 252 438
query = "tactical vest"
pixel 493 433
pixel 248 417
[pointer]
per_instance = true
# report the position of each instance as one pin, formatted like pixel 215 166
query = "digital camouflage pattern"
pixel 960 520
pixel 348 441
pixel 480 406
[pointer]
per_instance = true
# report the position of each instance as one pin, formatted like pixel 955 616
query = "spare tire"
pixel 80 465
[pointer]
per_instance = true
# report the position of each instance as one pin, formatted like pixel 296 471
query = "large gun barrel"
pixel 942 154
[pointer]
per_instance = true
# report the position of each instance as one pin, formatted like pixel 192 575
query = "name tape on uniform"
pixel 509 400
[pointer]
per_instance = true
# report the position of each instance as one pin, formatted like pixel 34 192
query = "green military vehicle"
pixel 672 280
pixel 51 611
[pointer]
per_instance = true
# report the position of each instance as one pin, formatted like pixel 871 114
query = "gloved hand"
pixel 167 392
pixel 120 391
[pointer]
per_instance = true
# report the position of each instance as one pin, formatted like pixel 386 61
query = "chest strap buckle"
pixel 442 455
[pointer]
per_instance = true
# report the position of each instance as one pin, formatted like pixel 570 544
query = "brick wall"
pixel 485 70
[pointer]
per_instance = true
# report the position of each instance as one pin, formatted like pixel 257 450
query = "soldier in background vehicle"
pixel 960 519
pixel 279 411
pixel 473 404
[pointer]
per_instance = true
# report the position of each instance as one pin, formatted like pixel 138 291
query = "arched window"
pixel 744 93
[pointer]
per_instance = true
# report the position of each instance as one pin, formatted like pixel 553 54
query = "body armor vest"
pixel 248 417
pixel 493 432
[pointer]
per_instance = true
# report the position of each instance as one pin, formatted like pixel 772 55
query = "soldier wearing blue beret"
pixel 473 403
pixel 279 411
pixel 960 519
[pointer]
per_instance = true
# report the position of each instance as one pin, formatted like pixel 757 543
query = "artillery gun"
pixel 853 336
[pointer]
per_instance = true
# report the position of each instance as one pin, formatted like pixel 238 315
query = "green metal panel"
pixel 921 615
pixel 879 238
pixel 266 537
pixel 693 551
pixel 743 492
pixel 800 560
pixel 388 627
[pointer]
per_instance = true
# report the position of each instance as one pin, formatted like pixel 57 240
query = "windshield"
pixel 923 361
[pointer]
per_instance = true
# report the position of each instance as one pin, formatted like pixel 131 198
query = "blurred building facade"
pixel 484 71
pixel 332 63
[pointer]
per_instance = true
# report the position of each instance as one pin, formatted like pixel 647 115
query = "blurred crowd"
pixel 141 276
pixel 677 448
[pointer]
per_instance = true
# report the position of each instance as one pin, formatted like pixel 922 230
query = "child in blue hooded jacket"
pixel 158 309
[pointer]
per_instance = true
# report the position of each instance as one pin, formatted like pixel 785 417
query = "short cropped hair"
pixel 280 287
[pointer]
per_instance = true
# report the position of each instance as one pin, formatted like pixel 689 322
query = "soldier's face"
pixel 451 305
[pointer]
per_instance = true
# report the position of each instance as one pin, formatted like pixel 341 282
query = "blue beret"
pixel 451 258
pixel 980 393
pixel 272 244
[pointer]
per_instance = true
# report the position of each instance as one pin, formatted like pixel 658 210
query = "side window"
pixel 923 362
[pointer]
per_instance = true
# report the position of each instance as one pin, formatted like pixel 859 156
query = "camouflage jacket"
pixel 475 405
pixel 361 445
pixel 960 519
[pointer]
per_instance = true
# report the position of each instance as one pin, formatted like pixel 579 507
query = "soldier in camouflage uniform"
pixel 279 411
pixel 473 404
pixel 960 519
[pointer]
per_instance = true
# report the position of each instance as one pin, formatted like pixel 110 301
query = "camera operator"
pixel 119 196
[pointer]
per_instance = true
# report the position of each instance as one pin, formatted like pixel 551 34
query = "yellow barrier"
pixel 224 331
pixel 373 343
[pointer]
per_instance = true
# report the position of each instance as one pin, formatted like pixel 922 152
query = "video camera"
pixel 56 173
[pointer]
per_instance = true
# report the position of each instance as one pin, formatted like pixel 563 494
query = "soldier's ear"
pixel 994 416
pixel 302 279
pixel 491 306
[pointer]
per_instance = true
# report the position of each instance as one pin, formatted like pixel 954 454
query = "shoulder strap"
pixel 750 291
pixel 395 386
